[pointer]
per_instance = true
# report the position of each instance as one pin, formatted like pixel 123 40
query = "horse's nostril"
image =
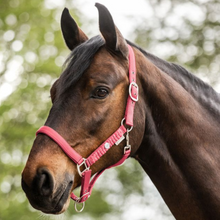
pixel 43 182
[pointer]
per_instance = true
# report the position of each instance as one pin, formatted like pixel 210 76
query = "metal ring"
pixel 83 206
pixel 131 127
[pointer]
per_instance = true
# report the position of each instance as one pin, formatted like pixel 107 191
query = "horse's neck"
pixel 180 146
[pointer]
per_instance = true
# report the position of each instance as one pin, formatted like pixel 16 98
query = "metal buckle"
pixel 85 165
pixel 130 94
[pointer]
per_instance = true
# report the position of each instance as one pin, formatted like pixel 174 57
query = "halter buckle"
pixel 85 166
pixel 134 84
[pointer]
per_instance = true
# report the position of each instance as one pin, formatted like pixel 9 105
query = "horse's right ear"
pixel 72 34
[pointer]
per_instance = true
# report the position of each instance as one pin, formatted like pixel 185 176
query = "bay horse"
pixel 174 115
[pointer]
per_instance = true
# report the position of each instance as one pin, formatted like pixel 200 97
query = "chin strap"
pixel 83 165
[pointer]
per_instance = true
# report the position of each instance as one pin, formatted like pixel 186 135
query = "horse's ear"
pixel 113 38
pixel 72 34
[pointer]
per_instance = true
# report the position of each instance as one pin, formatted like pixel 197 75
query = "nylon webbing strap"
pixel 133 89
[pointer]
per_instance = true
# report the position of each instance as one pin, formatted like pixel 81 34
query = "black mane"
pixel 200 90
pixel 79 61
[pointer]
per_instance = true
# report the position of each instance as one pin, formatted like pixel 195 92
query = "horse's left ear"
pixel 113 38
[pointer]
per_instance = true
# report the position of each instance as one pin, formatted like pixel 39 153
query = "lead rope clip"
pixel 128 146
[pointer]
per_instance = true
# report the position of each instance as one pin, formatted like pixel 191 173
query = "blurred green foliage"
pixel 185 32
pixel 32 52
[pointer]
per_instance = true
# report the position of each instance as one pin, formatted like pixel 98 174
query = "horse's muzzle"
pixel 47 195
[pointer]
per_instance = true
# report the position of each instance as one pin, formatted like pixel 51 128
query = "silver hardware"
pixel 79 210
pixel 122 122
pixel 119 140
pixel 107 145
pixel 80 165
pixel 128 146
pixel 78 200
pixel 130 86
pixel 83 203
pixel 127 138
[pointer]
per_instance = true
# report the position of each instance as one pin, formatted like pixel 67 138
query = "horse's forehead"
pixel 106 63
pixel 102 56
pixel 105 69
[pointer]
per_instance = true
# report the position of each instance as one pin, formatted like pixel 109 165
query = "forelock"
pixel 78 62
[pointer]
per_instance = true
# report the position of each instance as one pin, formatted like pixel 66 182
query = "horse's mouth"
pixel 63 199
pixel 56 204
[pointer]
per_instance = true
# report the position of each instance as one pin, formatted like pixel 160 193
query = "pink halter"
pixel 83 165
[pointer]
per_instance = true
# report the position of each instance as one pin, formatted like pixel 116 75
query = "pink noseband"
pixel 83 165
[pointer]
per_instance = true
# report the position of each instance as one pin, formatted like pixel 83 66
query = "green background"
pixel 32 52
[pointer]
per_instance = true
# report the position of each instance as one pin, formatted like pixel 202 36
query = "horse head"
pixel 88 104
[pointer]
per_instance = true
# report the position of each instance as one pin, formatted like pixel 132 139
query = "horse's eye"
pixel 100 93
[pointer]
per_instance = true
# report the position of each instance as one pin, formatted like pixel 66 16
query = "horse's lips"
pixel 63 199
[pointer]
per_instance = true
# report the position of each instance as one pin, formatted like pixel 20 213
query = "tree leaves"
pixel 186 33
pixel 32 52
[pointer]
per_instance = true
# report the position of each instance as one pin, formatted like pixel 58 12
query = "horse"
pixel 157 113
